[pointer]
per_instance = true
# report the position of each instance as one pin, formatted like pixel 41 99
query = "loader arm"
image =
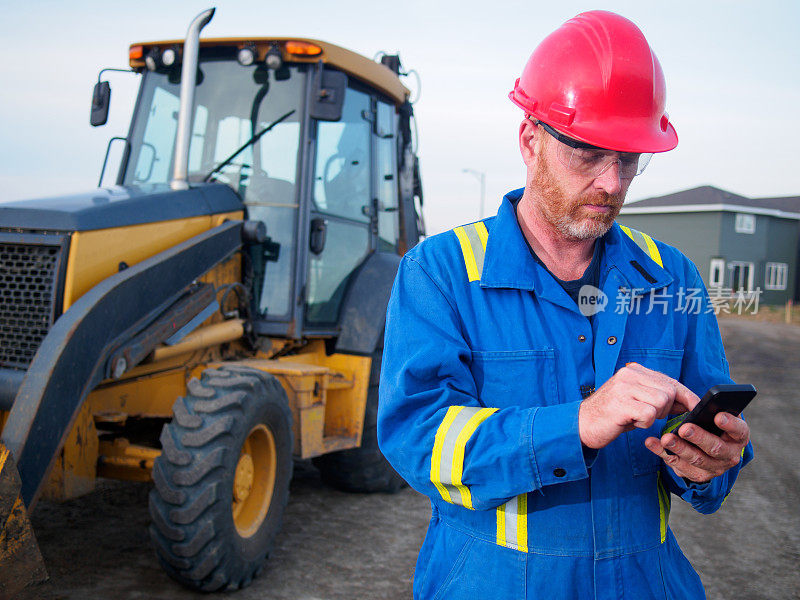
pixel 21 562
pixel 74 357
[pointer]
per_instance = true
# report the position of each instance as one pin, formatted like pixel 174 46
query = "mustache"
pixel 602 199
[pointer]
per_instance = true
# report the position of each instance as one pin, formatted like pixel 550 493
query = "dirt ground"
pixel 342 546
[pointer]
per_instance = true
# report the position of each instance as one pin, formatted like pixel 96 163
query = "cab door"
pixel 353 208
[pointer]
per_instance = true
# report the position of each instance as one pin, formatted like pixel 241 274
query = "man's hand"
pixel 635 396
pixel 705 455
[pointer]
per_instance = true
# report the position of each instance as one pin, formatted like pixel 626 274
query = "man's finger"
pixel 666 447
pixel 657 397
pixel 737 429
pixel 659 448
pixel 697 436
pixel 685 399
pixel 683 458
pixel 695 455
pixel 642 414
pixel 656 446
pixel 726 453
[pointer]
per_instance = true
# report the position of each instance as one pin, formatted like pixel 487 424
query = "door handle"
pixel 316 240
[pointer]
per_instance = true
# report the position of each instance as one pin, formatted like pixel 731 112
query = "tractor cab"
pixel 321 157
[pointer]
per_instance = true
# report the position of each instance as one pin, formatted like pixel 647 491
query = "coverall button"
pixel 559 472
pixel 612 340
pixel 581 338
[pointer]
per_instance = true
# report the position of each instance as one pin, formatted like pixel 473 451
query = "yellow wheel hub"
pixel 254 480
pixel 244 478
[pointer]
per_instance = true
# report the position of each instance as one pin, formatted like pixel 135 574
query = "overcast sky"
pixel 732 70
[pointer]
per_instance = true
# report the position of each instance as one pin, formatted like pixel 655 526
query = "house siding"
pixel 782 246
pixel 705 235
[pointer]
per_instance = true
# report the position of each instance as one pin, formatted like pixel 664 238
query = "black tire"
pixel 193 530
pixel 363 469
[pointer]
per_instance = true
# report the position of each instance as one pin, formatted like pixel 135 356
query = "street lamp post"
pixel 482 178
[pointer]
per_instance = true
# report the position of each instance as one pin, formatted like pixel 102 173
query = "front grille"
pixel 29 279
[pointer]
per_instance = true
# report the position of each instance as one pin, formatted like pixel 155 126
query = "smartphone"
pixel 728 397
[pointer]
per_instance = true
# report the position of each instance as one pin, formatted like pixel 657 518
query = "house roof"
pixel 711 199
pixel 785 203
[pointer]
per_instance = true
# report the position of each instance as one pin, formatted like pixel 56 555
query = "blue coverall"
pixel 486 360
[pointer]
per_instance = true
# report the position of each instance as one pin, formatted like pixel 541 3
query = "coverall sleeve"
pixel 705 365
pixel 434 429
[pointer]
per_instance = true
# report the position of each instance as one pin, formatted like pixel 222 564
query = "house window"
pixel 741 276
pixel 745 223
pixel 776 276
pixel 716 274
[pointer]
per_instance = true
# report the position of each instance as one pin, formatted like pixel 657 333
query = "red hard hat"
pixel 596 79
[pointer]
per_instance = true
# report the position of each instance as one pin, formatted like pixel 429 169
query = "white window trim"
pixel 750 273
pixel 775 276
pixel 745 223
pixel 717 264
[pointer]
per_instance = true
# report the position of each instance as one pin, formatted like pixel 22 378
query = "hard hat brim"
pixel 619 134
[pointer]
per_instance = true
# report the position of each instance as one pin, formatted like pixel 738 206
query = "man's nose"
pixel 609 178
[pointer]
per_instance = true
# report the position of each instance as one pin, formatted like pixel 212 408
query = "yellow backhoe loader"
pixel 219 311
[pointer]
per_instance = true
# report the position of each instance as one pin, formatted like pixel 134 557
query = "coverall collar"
pixel 509 264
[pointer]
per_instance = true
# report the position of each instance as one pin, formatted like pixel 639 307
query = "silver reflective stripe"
pixel 449 448
pixel 637 237
pixel 478 250
pixel 646 243
pixel 472 239
pixel 512 523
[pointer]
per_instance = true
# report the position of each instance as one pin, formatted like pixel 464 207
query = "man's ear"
pixel 530 143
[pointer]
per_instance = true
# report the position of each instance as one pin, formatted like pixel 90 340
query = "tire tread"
pixel 192 528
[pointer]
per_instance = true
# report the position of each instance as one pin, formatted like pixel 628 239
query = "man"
pixel 534 422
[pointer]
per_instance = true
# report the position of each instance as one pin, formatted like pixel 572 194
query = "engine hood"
pixel 102 208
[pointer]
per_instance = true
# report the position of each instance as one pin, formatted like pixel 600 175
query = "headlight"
pixel 273 59
pixel 246 56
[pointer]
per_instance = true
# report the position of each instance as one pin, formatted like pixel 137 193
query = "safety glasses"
pixel 593 161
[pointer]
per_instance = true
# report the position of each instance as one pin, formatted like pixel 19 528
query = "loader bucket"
pixel 21 562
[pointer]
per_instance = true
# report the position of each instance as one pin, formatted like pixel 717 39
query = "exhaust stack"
pixel 191 50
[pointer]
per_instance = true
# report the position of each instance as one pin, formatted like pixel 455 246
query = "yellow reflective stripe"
pixel 501 525
pixel 651 246
pixel 438 444
pixel 522 522
pixel 483 234
pixel 663 508
pixel 469 256
pixel 512 523
pixel 673 423
pixel 637 237
pixel 472 239
pixel 460 447
pixel 478 248
pixel 449 446
pixel 645 242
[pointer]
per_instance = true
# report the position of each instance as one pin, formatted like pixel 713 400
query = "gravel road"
pixel 344 546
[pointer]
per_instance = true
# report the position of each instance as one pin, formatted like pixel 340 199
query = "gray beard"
pixel 583 230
